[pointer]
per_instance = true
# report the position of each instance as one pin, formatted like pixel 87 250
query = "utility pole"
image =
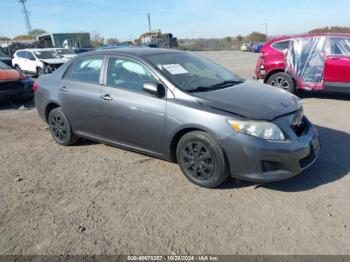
pixel 26 15
pixel 266 31
pixel 149 26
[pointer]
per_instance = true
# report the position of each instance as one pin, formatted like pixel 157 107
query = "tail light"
pixel 35 87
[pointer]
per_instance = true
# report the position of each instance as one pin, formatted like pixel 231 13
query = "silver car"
pixel 182 108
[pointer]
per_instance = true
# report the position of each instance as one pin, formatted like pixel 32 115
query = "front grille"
pixel 11 87
pixel 55 66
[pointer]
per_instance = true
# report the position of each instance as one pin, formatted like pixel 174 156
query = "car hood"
pixel 252 100
pixel 9 75
pixel 54 60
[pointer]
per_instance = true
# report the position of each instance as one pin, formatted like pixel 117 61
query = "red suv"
pixel 308 62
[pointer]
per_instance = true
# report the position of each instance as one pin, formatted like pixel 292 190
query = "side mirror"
pixel 32 58
pixel 154 88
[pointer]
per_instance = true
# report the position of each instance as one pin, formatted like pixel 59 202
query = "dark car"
pixel 14 85
pixel 5 59
pixel 180 107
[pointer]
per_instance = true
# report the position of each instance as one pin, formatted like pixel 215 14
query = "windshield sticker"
pixel 175 69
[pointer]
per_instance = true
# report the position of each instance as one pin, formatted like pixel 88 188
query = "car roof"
pixel 286 37
pixel 36 49
pixel 138 51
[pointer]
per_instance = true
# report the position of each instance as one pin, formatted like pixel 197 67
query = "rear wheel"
pixel 282 80
pixel 60 128
pixel 201 159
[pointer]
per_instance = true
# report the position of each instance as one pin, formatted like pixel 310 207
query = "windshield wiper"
pixel 227 83
pixel 223 84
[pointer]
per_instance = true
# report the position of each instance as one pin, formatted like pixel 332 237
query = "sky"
pixel 127 19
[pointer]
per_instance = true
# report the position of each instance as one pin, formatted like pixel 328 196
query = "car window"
pixel 87 69
pixel 128 74
pixel 340 46
pixel 21 54
pixel 281 46
pixel 30 55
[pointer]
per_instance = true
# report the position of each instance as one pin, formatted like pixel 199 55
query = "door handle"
pixel 107 97
pixel 63 89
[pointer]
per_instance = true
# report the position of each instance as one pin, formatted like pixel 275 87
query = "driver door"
pixel 129 115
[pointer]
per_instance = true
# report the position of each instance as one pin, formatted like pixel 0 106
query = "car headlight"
pixel 262 129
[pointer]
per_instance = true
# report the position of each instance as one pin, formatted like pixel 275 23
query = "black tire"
pixel 206 168
pixel 39 71
pixel 284 81
pixel 18 68
pixel 60 128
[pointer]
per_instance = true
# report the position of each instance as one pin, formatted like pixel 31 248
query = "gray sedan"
pixel 182 108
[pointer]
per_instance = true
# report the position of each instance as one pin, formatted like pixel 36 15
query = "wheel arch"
pixel 49 107
pixel 272 72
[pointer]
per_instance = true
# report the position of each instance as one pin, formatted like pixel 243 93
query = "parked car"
pixel 14 85
pixel 5 59
pixel 307 62
pixel 256 48
pixel 37 61
pixel 66 52
pixel 244 47
pixel 180 107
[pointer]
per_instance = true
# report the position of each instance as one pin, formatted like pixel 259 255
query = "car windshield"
pixel 3 66
pixel 192 73
pixel 46 54
pixel 65 51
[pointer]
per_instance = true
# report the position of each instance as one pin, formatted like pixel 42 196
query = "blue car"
pixel 256 48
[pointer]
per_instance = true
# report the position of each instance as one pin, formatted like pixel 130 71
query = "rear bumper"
pixel 258 160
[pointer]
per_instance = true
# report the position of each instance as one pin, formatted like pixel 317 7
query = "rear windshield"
pixel 284 45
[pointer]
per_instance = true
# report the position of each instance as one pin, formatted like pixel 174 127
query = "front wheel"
pixel 60 128
pixel 201 159
pixel 284 81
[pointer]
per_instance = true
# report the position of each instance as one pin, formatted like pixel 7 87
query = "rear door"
pixel 129 115
pixel 337 65
pixel 79 94
pixel 30 62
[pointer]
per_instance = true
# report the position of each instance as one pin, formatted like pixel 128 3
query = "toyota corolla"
pixel 182 108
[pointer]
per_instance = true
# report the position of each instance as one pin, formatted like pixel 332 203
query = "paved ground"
pixel 93 199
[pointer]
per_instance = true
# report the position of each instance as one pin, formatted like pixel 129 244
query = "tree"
pixel 112 41
pixel 23 37
pixel 331 29
pixel 96 39
pixel 36 32
pixel 4 38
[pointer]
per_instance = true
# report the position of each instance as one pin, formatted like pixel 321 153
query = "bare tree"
pixel 96 39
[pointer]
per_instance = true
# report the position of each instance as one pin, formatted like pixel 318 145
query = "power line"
pixel 26 15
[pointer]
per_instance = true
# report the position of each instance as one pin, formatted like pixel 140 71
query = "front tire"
pixel 60 128
pixel 18 68
pixel 201 159
pixel 282 80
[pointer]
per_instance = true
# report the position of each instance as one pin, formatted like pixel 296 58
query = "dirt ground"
pixel 96 199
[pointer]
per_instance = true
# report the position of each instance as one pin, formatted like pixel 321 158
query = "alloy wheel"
pixel 280 82
pixel 58 127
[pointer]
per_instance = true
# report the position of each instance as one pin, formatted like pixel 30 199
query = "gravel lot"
pixel 96 199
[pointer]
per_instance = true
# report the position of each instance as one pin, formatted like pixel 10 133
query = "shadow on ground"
pixel 333 164
pixel 324 95
pixel 10 104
